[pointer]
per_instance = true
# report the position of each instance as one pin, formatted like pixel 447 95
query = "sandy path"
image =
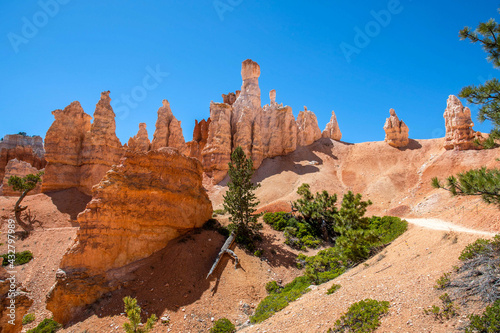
pixel 437 224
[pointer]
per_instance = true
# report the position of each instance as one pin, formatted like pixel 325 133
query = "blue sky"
pixel 402 54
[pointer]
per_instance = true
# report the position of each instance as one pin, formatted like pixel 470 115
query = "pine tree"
pixel 483 182
pixel 488 94
pixel 356 237
pixel 318 211
pixel 240 200
pixel 24 185
pixel 133 312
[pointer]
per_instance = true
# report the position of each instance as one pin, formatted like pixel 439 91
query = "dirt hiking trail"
pixel 437 224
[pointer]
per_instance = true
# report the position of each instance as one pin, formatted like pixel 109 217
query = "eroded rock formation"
pixel 136 209
pixel 101 147
pixel 458 122
pixel 230 98
pixel 308 129
pixel 247 114
pixel 140 142
pixel 261 132
pixel 217 152
pixel 332 129
pixel 279 129
pixel 12 313
pixel 20 169
pixel 79 153
pixel 200 137
pixel 18 140
pixel 63 147
pixel 396 131
pixel 22 153
pixel 168 132
pixel 236 124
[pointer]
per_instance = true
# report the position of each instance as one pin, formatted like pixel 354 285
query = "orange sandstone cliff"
pixel 136 209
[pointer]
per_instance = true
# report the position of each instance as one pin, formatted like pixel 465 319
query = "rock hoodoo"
pixel 168 132
pixel 217 152
pixel 396 131
pixel 247 114
pixel 332 129
pixel 458 122
pixel 140 142
pixel 308 129
pixel 262 132
pixel 20 169
pixel 136 209
pixel 101 148
pixel 236 124
pixel 279 129
pixel 200 137
pixel 79 153
pixel 63 147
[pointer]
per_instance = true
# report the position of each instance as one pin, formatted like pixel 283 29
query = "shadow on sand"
pixel 302 161
pixel 70 201
pixel 175 276
pixel 412 145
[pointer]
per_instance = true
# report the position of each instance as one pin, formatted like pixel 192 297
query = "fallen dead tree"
pixel 225 249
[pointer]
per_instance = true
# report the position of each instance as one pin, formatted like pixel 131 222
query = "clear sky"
pixel 359 58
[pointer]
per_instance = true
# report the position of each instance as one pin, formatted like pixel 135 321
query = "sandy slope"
pixel 403 274
pixel 398 182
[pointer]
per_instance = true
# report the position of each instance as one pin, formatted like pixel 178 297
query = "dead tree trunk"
pixel 225 249
pixel 18 209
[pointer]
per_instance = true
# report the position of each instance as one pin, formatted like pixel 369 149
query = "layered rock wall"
pixel 21 153
pixel 396 131
pixel 458 122
pixel 136 209
pixel 15 140
pixel 20 169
